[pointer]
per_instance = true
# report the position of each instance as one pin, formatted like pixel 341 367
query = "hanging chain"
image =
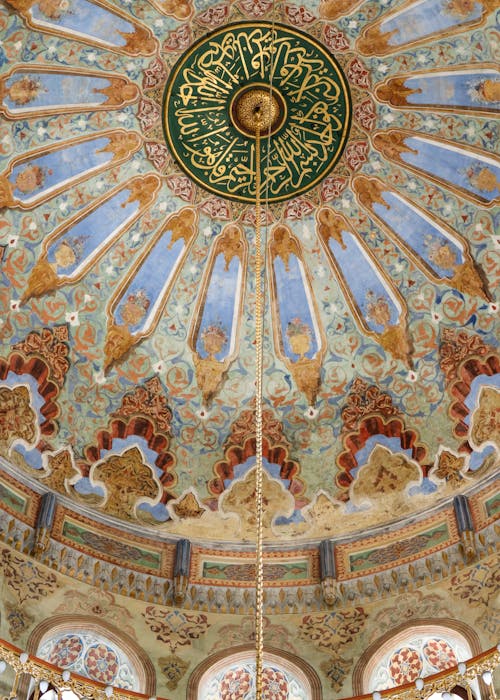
pixel 259 564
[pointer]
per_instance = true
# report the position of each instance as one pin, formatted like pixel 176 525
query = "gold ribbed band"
pixel 259 564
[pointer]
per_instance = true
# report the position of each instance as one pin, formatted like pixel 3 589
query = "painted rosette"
pixel 235 684
pixel 66 651
pixel 101 663
pixel 274 684
pixel 439 654
pixel 405 665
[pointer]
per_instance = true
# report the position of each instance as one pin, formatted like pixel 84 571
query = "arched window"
pixel 416 650
pixel 91 654
pixel 96 650
pixel 232 674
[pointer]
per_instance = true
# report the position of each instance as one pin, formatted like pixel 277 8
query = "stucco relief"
pixel 485 420
pixel 240 498
pixel 385 475
pixel 127 480
pixel 18 420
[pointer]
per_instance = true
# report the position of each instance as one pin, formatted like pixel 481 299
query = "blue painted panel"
pixel 42 90
pixel 464 89
pixel 440 253
pixel 138 302
pixel 42 174
pixel 83 18
pixel 460 168
pixel 429 17
pixel 219 308
pixel 294 307
pixel 81 243
pixel 367 289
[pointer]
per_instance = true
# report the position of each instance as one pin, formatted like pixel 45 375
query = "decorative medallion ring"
pixel 224 80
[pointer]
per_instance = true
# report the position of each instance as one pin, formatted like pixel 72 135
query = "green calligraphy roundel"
pixel 223 84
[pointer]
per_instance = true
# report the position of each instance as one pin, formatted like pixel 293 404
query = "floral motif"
pixel 126 480
pixel 365 114
pixel 214 16
pixel 332 631
pixel 135 307
pixel 66 651
pixel 158 154
pixel 484 179
pixel 477 585
pixel 297 327
pixel 274 684
pixel 175 628
pixel 389 474
pixel 335 39
pixel 377 309
pixel 332 188
pixel 216 208
pixel 364 400
pixel 299 336
pixel 408 607
pixel 358 73
pixel 173 668
pixel 239 498
pixel 336 670
pixel 97 603
pixel 356 154
pixel 182 187
pixel 405 665
pixel 298 16
pixel 101 663
pixel 298 208
pixel 18 620
pixel 485 422
pixel 455 347
pixel 439 654
pixel 235 684
pixel 27 580
pixel 52 345
pixel 148 114
pixel 18 421
pixel 244 632
pixel 449 468
pixel 178 39
pixel 148 400
pixel 214 338
pixel 256 8
pixel 187 507
pixel 154 75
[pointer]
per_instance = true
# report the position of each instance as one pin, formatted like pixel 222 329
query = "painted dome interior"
pixel 127 255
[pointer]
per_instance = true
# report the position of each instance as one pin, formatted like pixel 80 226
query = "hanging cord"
pixel 260 287
pixel 271 82
pixel 259 340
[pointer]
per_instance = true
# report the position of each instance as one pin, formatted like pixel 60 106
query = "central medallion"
pixel 258 103
pixel 223 84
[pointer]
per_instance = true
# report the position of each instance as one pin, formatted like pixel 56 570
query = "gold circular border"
pixel 268 25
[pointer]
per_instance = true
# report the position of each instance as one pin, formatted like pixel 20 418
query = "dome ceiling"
pixel 127 259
